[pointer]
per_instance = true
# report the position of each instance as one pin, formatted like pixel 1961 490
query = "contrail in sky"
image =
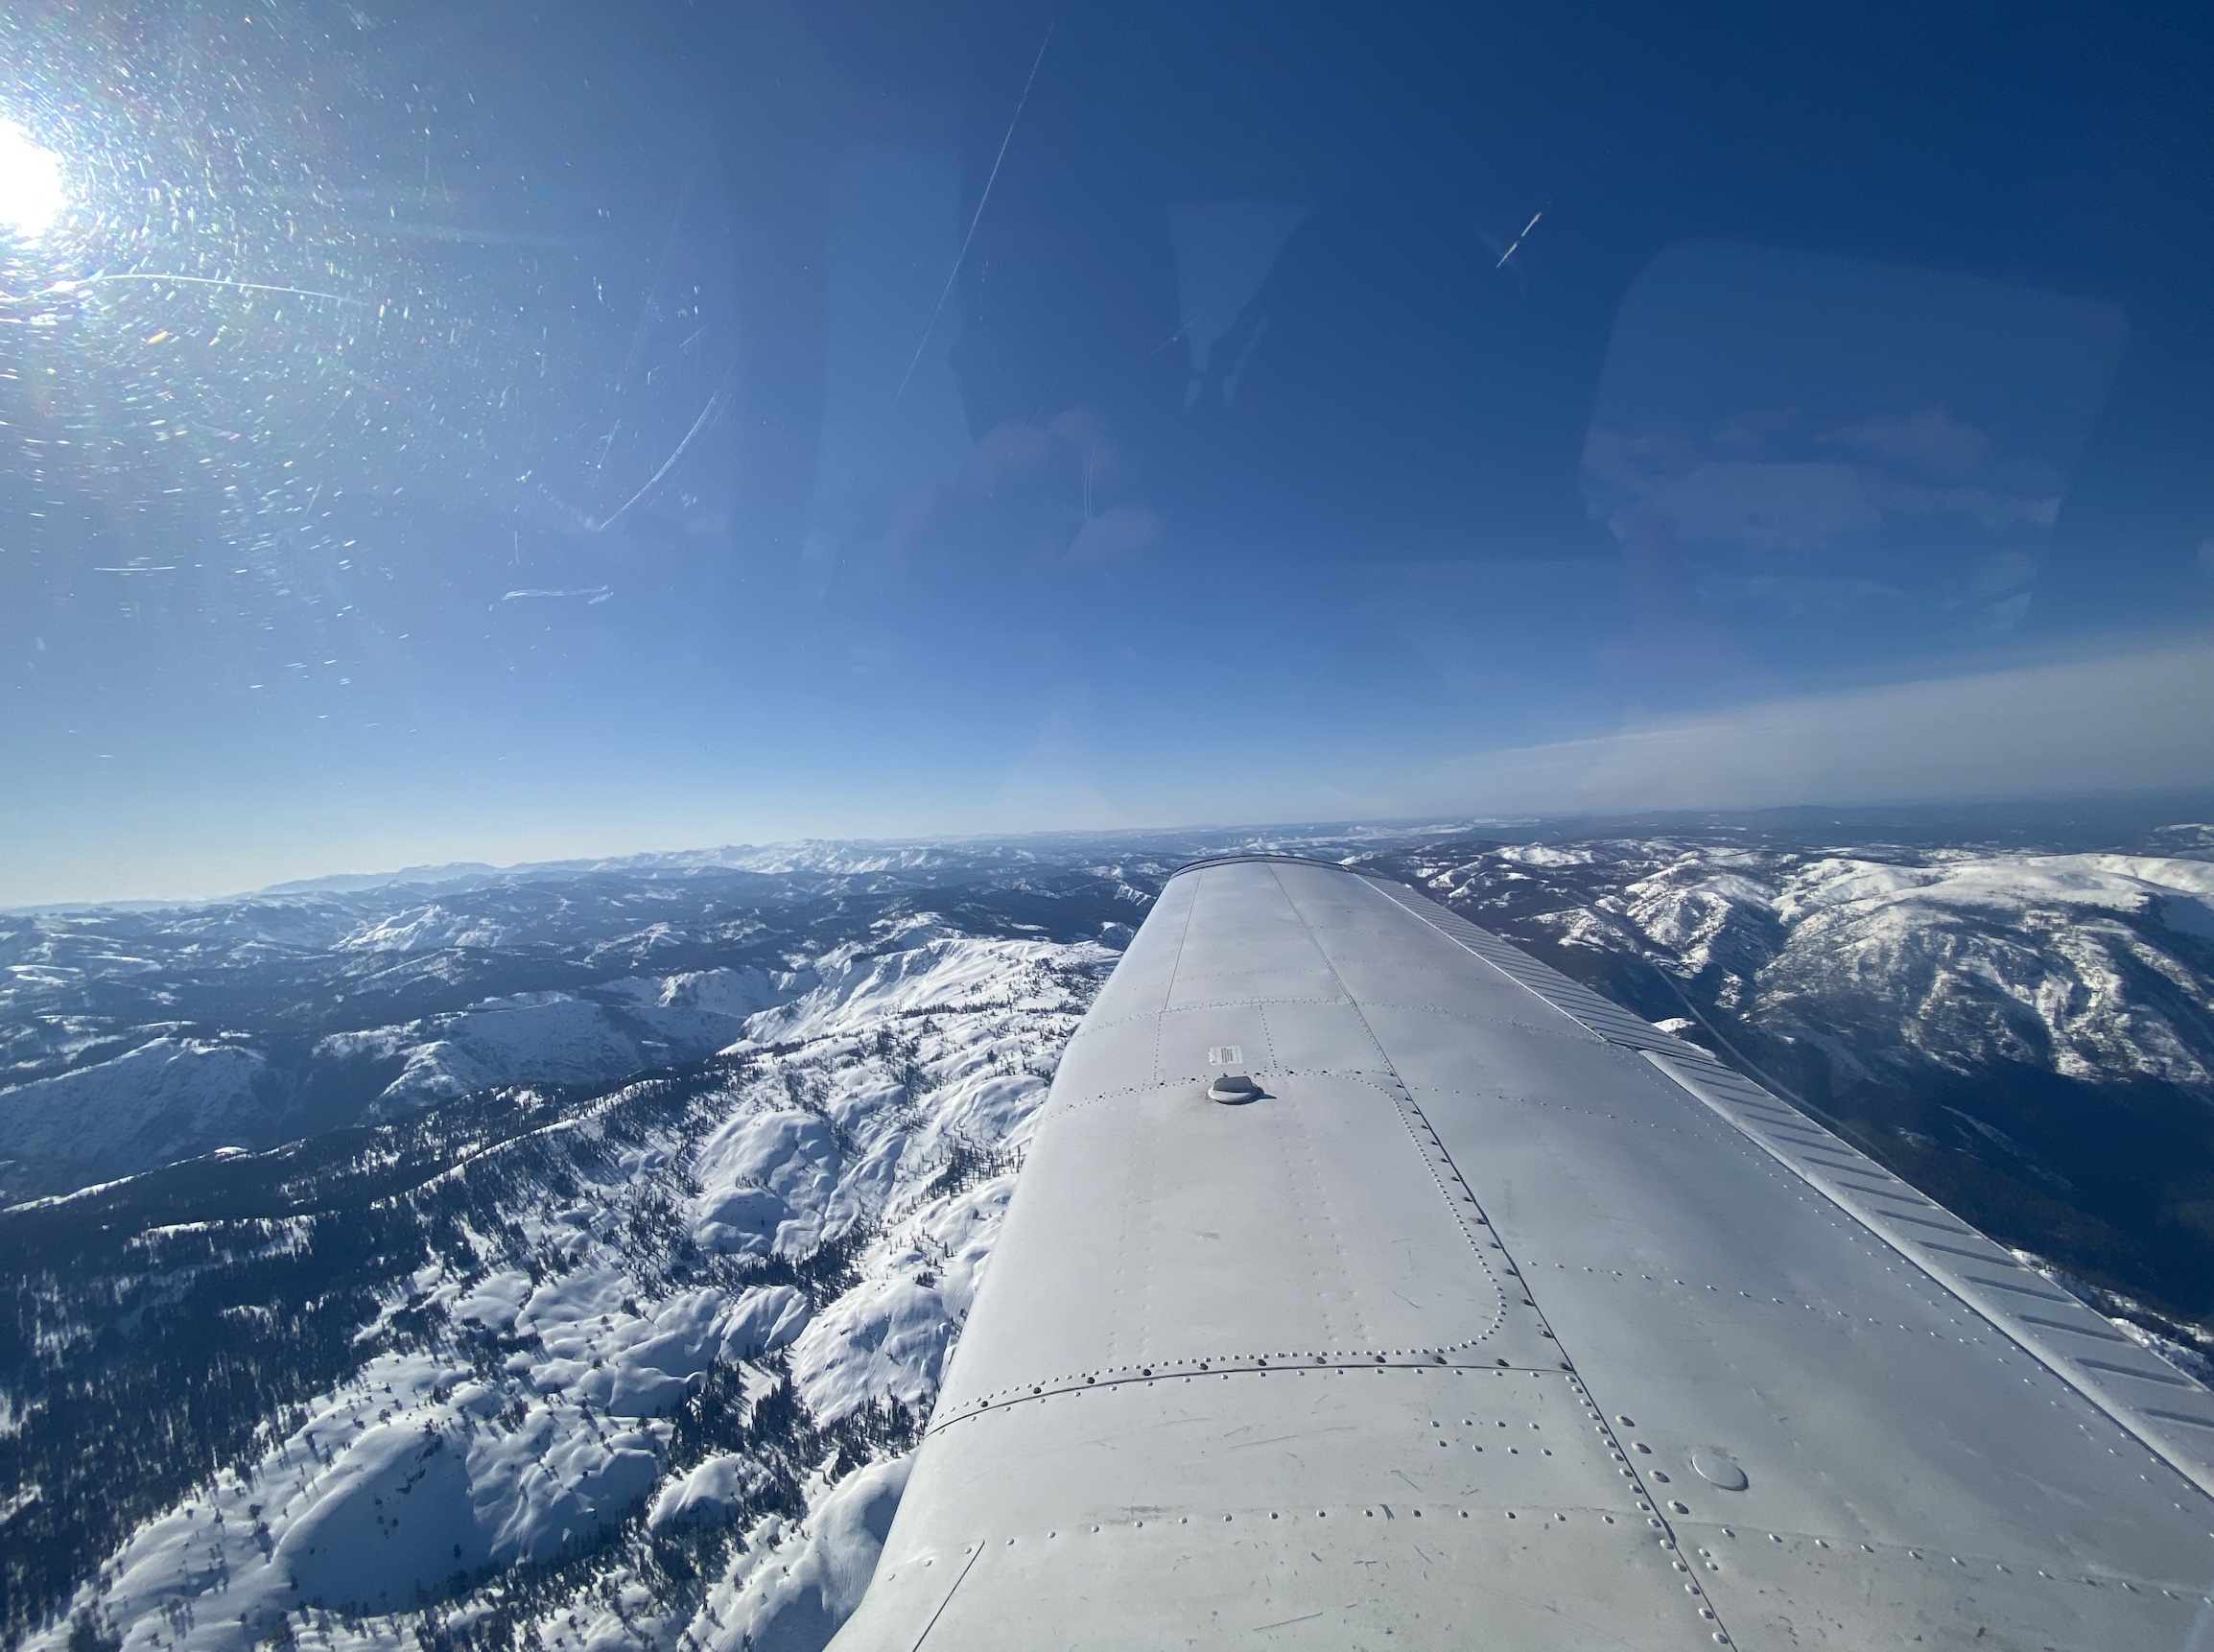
pixel 1520 239
pixel 953 274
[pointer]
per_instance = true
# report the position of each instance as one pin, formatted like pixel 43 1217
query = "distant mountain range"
pixel 2027 1035
pixel 570 1253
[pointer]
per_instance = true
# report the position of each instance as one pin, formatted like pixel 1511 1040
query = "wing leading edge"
pixel 1501 1317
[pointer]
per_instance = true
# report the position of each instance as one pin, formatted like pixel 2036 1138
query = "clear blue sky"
pixel 498 433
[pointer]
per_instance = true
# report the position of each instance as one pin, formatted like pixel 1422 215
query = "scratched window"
pixel 497 432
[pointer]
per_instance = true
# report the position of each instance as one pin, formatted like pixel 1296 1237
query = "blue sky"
pixel 558 433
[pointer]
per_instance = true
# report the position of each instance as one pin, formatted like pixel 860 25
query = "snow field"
pixel 856 1167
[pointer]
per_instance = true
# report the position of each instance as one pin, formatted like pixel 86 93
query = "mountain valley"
pixel 566 1257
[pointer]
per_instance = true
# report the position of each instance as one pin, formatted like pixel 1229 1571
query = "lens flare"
pixel 32 194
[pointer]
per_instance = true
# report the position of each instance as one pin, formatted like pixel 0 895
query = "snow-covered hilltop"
pixel 566 1258
pixel 612 1363
pixel 2095 966
pixel 131 1038
pixel 2028 1035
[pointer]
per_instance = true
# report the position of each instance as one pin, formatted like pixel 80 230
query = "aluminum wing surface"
pixel 1502 1319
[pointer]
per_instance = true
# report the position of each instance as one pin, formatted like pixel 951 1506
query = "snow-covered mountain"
pixel 130 1039
pixel 584 1244
pixel 595 1366
pixel 2027 1034
pixel 2088 966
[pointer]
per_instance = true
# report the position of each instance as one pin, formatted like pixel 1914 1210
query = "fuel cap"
pixel 1718 1471
pixel 1232 1088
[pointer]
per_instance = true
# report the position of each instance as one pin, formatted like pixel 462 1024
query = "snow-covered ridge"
pixel 172 1098
pixel 869 1128
pixel 167 1099
pixel 2088 966
pixel 358 999
pixel 615 1028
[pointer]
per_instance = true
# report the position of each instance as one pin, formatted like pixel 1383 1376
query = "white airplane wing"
pixel 1501 1319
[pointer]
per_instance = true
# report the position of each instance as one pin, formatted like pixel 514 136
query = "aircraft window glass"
pixel 727 422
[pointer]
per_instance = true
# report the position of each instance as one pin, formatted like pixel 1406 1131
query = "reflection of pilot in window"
pixel 1415 375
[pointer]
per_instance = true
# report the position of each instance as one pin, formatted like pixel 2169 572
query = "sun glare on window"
pixel 31 191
